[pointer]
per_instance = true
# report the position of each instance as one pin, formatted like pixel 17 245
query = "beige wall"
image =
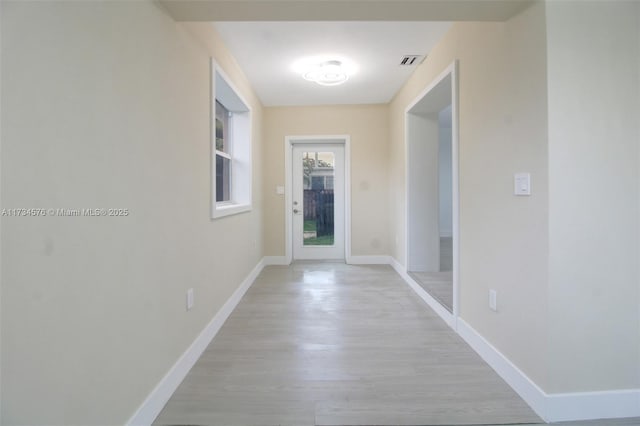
pixel 368 127
pixel 502 131
pixel 106 104
pixel 594 209
pixel 565 260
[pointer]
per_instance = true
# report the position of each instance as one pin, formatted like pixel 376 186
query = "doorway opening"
pixel 432 191
pixel 317 201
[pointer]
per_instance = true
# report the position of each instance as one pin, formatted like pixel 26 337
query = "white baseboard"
pixel 275 260
pixel 433 303
pixel 593 405
pixel 550 407
pixel 369 260
pixel 555 407
pixel 519 382
pixel 351 260
pixel 153 404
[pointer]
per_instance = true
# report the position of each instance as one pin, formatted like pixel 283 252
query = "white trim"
pixel 289 141
pixel 223 154
pixel 347 197
pixel 593 405
pixel 369 260
pixel 455 188
pixel 452 70
pixel 550 407
pixel 156 400
pixel 288 197
pixel 519 382
pixel 241 155
pixel 446 316
pixel 227 209
pixel 555 407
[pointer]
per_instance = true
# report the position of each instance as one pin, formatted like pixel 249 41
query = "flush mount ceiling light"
pixel 325 72
pixel 329 73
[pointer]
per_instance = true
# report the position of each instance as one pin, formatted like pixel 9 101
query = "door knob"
pixel 295 210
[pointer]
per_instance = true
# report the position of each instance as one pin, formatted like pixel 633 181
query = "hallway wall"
pixel 594 206
pixel 550 92
pixel 368 127
pixel 503 130
pixel 106 105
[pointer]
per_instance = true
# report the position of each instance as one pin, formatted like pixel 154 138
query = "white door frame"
pixel 452 70
pixel 289 142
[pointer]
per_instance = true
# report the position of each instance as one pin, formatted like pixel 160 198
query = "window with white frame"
pixel 231 148
pixel 223 154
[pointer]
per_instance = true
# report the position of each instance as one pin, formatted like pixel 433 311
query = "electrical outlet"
pixel 189 299
pixel 493 303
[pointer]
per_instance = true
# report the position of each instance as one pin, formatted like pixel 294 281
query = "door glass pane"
pixel 318 174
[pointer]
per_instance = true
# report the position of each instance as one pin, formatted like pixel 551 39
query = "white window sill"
pixel 222 210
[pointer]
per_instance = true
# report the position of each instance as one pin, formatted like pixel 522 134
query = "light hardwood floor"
pixel 439 284
pixel 333 344
pixel 603 422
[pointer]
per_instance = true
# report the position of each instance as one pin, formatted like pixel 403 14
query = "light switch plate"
pixel 522 184
pixel 279 189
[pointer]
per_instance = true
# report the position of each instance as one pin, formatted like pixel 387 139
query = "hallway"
pixel 335 344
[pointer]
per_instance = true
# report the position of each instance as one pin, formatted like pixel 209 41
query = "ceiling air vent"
pixel 410 60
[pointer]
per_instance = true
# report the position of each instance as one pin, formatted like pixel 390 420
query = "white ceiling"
pixel 266 52
pixel 265 36
pixel 343 10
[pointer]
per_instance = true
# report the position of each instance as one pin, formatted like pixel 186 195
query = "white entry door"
pixel 318 201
